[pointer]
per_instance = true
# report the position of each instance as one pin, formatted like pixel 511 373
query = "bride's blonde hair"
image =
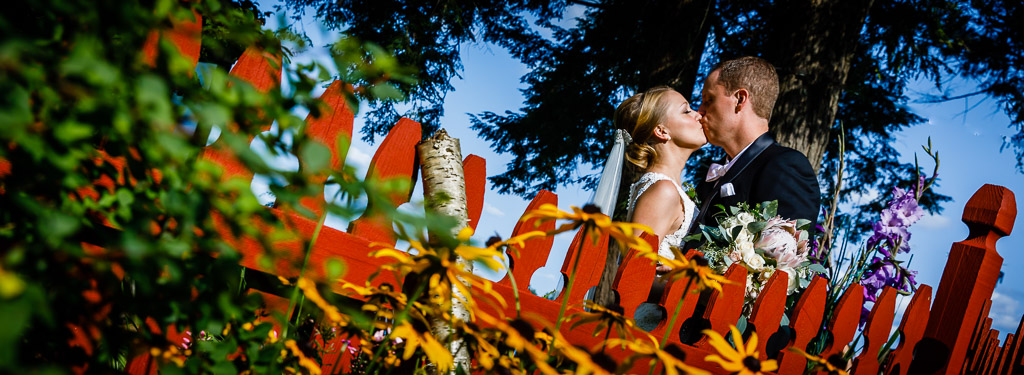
pixel 639 115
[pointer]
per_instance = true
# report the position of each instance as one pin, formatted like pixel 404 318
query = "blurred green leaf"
pixel 315 156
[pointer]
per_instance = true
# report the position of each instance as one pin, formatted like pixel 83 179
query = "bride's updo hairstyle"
pixel 639 115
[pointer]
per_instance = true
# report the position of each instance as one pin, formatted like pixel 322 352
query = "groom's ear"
pixel 742 99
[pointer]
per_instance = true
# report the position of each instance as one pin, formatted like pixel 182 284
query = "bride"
pixel 665 131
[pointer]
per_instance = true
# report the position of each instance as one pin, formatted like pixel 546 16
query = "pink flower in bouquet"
pixel 781 240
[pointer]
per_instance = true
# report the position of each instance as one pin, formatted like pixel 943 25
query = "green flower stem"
pixel 572 279
pixel 515 289
pixel 607 333
pixel 675 314
pixel 305 262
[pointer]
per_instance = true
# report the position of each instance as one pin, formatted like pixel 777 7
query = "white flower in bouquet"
pixel 740 220
pixel 750 257
pixel 794 279
pixel 763 242
pixel 755 282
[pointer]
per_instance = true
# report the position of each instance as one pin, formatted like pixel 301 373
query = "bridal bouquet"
pixel 758 239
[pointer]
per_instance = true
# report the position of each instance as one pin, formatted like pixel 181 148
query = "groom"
pixel 736 104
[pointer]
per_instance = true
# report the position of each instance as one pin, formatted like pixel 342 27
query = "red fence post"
pixel 332 120
pixel 634 278
pixel 525 260
pixel 968 279
pixel 395 159
pixel 724 308
pixel 912 326
pixel 843 324
pixel 474 170
pixel 876 332
pixel 806 321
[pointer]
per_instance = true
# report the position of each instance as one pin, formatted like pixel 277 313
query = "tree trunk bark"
pixel 812 47
pixel 444 189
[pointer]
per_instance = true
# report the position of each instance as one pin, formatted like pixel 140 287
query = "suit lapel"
pixel 760 144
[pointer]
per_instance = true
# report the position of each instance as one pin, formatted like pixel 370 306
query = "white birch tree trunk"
pixel 444 189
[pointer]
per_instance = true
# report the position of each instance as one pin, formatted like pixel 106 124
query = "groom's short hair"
pixel 754 74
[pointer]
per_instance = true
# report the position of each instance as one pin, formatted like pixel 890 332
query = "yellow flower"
pixel 650 348
pixel 595 222
pixel 584 363
pixel 695 269
pixel 519 241
pixel 833 365
pixel 604 317
pixel 10 284
pixel 173 354
pixel 331 312
pixel 442 273
pixel 413 338
pixel 743 359
pixel 310 365
pixel 515 340
pixel 487 256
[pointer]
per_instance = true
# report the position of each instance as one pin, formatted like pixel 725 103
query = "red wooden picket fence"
pixel 950 334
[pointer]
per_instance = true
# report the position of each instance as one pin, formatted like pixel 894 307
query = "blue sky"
pixel 968 145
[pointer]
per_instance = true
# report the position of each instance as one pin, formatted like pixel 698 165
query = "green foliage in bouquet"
pixel 762 242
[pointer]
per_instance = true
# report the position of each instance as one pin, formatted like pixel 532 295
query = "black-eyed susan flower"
pixel 519 241
pixel 446 276
pixel 309 290
pixel 695 269
pixel 306 363
pixel 833 365
pixel 606 319
pixel 520 336
pixel 584 361
pixel 416 336
pixel 741 360
pixel 172 354
pixel 648 348
pixel 594 221
pixel 480 344
pixel 512 245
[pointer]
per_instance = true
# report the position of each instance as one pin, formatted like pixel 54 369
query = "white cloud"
pixel 358 158
pixel 494 211
pixel 1005 312
pixel 934 222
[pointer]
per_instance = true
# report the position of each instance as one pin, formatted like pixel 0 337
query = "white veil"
pixel 608 186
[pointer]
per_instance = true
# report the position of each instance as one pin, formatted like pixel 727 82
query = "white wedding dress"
pixel 689 211
pixel 648 315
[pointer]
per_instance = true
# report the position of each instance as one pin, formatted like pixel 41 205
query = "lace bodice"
pixel 689 211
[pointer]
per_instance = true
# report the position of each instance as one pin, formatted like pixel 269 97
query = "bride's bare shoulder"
pixel 661 193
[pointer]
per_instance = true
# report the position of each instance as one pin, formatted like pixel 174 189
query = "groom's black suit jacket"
pixel 765 171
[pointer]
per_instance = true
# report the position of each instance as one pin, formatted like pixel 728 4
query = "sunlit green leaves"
pixel 154 226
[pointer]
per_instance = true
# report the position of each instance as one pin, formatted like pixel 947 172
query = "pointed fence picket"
pixel 950 336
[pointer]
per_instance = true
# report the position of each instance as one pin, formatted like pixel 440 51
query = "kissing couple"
pixel 735 109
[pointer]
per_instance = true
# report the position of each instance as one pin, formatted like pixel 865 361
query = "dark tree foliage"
pixel 220 45
pixel 573 92
pixel 427 35
pixel 579 74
